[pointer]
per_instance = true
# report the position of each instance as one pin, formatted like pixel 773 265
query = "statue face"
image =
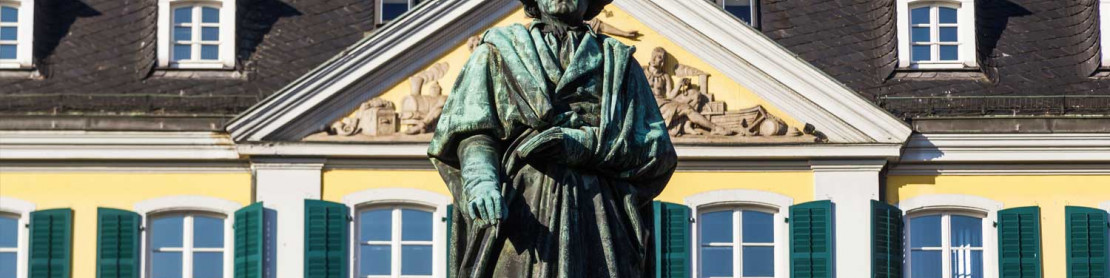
pixel 565 10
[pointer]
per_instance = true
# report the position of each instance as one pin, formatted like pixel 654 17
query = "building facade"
pixel 256 138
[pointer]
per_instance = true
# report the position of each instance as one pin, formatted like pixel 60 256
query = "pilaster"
pixel 282 185
pixel 850 185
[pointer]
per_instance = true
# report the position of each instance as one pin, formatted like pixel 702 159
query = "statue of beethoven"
pixel 553 146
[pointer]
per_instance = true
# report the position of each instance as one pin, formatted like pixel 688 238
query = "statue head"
pixel 658 58
pixel 436 90
pixel 569 11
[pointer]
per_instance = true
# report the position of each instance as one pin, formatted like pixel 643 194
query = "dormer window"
pixel 936 34
pixel 1104 11
pixel 392 9
pixel 16 29
pixel 197 34
pixel 745 10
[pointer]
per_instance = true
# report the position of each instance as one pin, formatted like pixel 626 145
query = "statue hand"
pixel 486 203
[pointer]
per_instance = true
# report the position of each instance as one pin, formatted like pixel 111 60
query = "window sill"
pixel 939 74
pixel 175 73
pixel 1101 74
pixel 20 73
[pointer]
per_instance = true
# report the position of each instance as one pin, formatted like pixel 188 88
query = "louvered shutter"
pixel 326 239
pixel 886 240
pixel 1086 241
pixel 1019 242
pixel 249 241
pixel 672 240
pixel 117 243
pixel 51 238
pixel 811 240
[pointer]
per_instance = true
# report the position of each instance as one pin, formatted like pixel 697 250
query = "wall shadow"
pixel 256 19
pixel 53 20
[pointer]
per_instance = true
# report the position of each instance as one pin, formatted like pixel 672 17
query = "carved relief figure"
pixel 419 112
pixel 374 118
pixel 678 110
pixel 605 28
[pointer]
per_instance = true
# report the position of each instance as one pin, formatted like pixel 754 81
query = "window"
pixel 1104 11
pixel 9 244
pixel 936 34
pixel 395 241
pixel 948 245
pixel 736 242
pixel 197 34
pixel 16 24
pixel 392 9
pixel 187 245
pixel 745 10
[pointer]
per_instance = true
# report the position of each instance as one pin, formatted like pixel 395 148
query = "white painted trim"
pixel 962 203
pixel 1000 169
pixel 25 36
pixel 228 26
pixel 978 148
pixel 1105 206
pixel 89 145
pixel 23 209
pixel 404 196
pixel 967 28
pixel 125 166
pixel 190 203
pixel 987 230
pixel 1104 11
pixel 746 198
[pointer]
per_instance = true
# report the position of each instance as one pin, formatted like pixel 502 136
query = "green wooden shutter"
pixel 117 243
pixel 51 236
pixel 1086 241
pixel 672 240
pixel 811 240
pixel 1019 242
pixel 326 239
pixel 249 241
pixel 886 240
pixel 450 233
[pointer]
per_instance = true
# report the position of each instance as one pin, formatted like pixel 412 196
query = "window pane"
pixel 210 52
pixel 9 14
pixel 967 264
pixel 9 228
pixel 759 261
pixel 967 231
pixel 7 264
pixel 416 260
pixel 167 231
pixel 758 227
pixel 209 15
pixel 182 34
pixel 919 15
pixel 182 52
pixel 921 53
pixel 208 265
pixel 7 51
pixel 208 232
pixel 716 226
pixel 920 34
pixel 392 9
pixel 416 225
pixel 166 265
pixel 949 34
pixel 374 260
pixel 947 15
pixel 925 231
pixel 925 264
pixel 183 15
pixel 375 225
pixel 210 34
pixel 949 53
pixel 740 8
pixel 716 261
pixel 9 33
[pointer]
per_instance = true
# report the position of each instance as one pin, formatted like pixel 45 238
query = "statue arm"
pixel 479 160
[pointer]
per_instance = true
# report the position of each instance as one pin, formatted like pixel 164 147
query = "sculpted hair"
pixel 532 9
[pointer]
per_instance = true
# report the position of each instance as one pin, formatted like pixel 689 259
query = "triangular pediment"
pixel 388 87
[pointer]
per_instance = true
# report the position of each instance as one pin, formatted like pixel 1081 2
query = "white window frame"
pixel 228 27
pixel 965 17
pixel 379 7
pixel 402 198
pixel 395 241
pixel 777 204
pixel 23 209
pixel 203 205
pixel 946 247
pixel 755 10
pixel 24 36
pixel 949 204
pixel 1104 11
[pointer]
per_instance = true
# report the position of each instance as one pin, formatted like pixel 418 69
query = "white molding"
pixel 228 26
pixel 999 169
pixel 978 148
pixel 967 28
pixel 190 203
pixel 404 196
pixel 24 37
pixel 1105 206
pixel 962 203
pixel 23 209
pixel 751 198
pixel 100 166
pixel 90 145
pixel 772 72
pixel 1104 11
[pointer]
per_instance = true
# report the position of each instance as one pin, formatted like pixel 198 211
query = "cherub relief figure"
pixel 679 105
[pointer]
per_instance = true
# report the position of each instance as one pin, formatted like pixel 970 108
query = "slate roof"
pixel 1037 57
pixel 97 58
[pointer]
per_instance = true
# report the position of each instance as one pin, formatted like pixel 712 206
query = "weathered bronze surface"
pixel 552 144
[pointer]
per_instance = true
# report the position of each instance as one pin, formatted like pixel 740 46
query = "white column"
pixel 850 185
pixel 282 185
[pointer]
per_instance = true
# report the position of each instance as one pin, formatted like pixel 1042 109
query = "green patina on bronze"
pixel 553 147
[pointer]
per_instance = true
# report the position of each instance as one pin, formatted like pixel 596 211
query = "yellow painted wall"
pixel 724 89
pixel 84 192
pixel 1051 193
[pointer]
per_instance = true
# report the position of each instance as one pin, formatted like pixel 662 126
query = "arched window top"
pixel 1105 206
pixel 967 204
pixel 16 206
pixel 397 196
pixel 739 197
pixel 188 203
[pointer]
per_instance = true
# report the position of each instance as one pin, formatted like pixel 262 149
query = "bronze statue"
pixel 553 147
